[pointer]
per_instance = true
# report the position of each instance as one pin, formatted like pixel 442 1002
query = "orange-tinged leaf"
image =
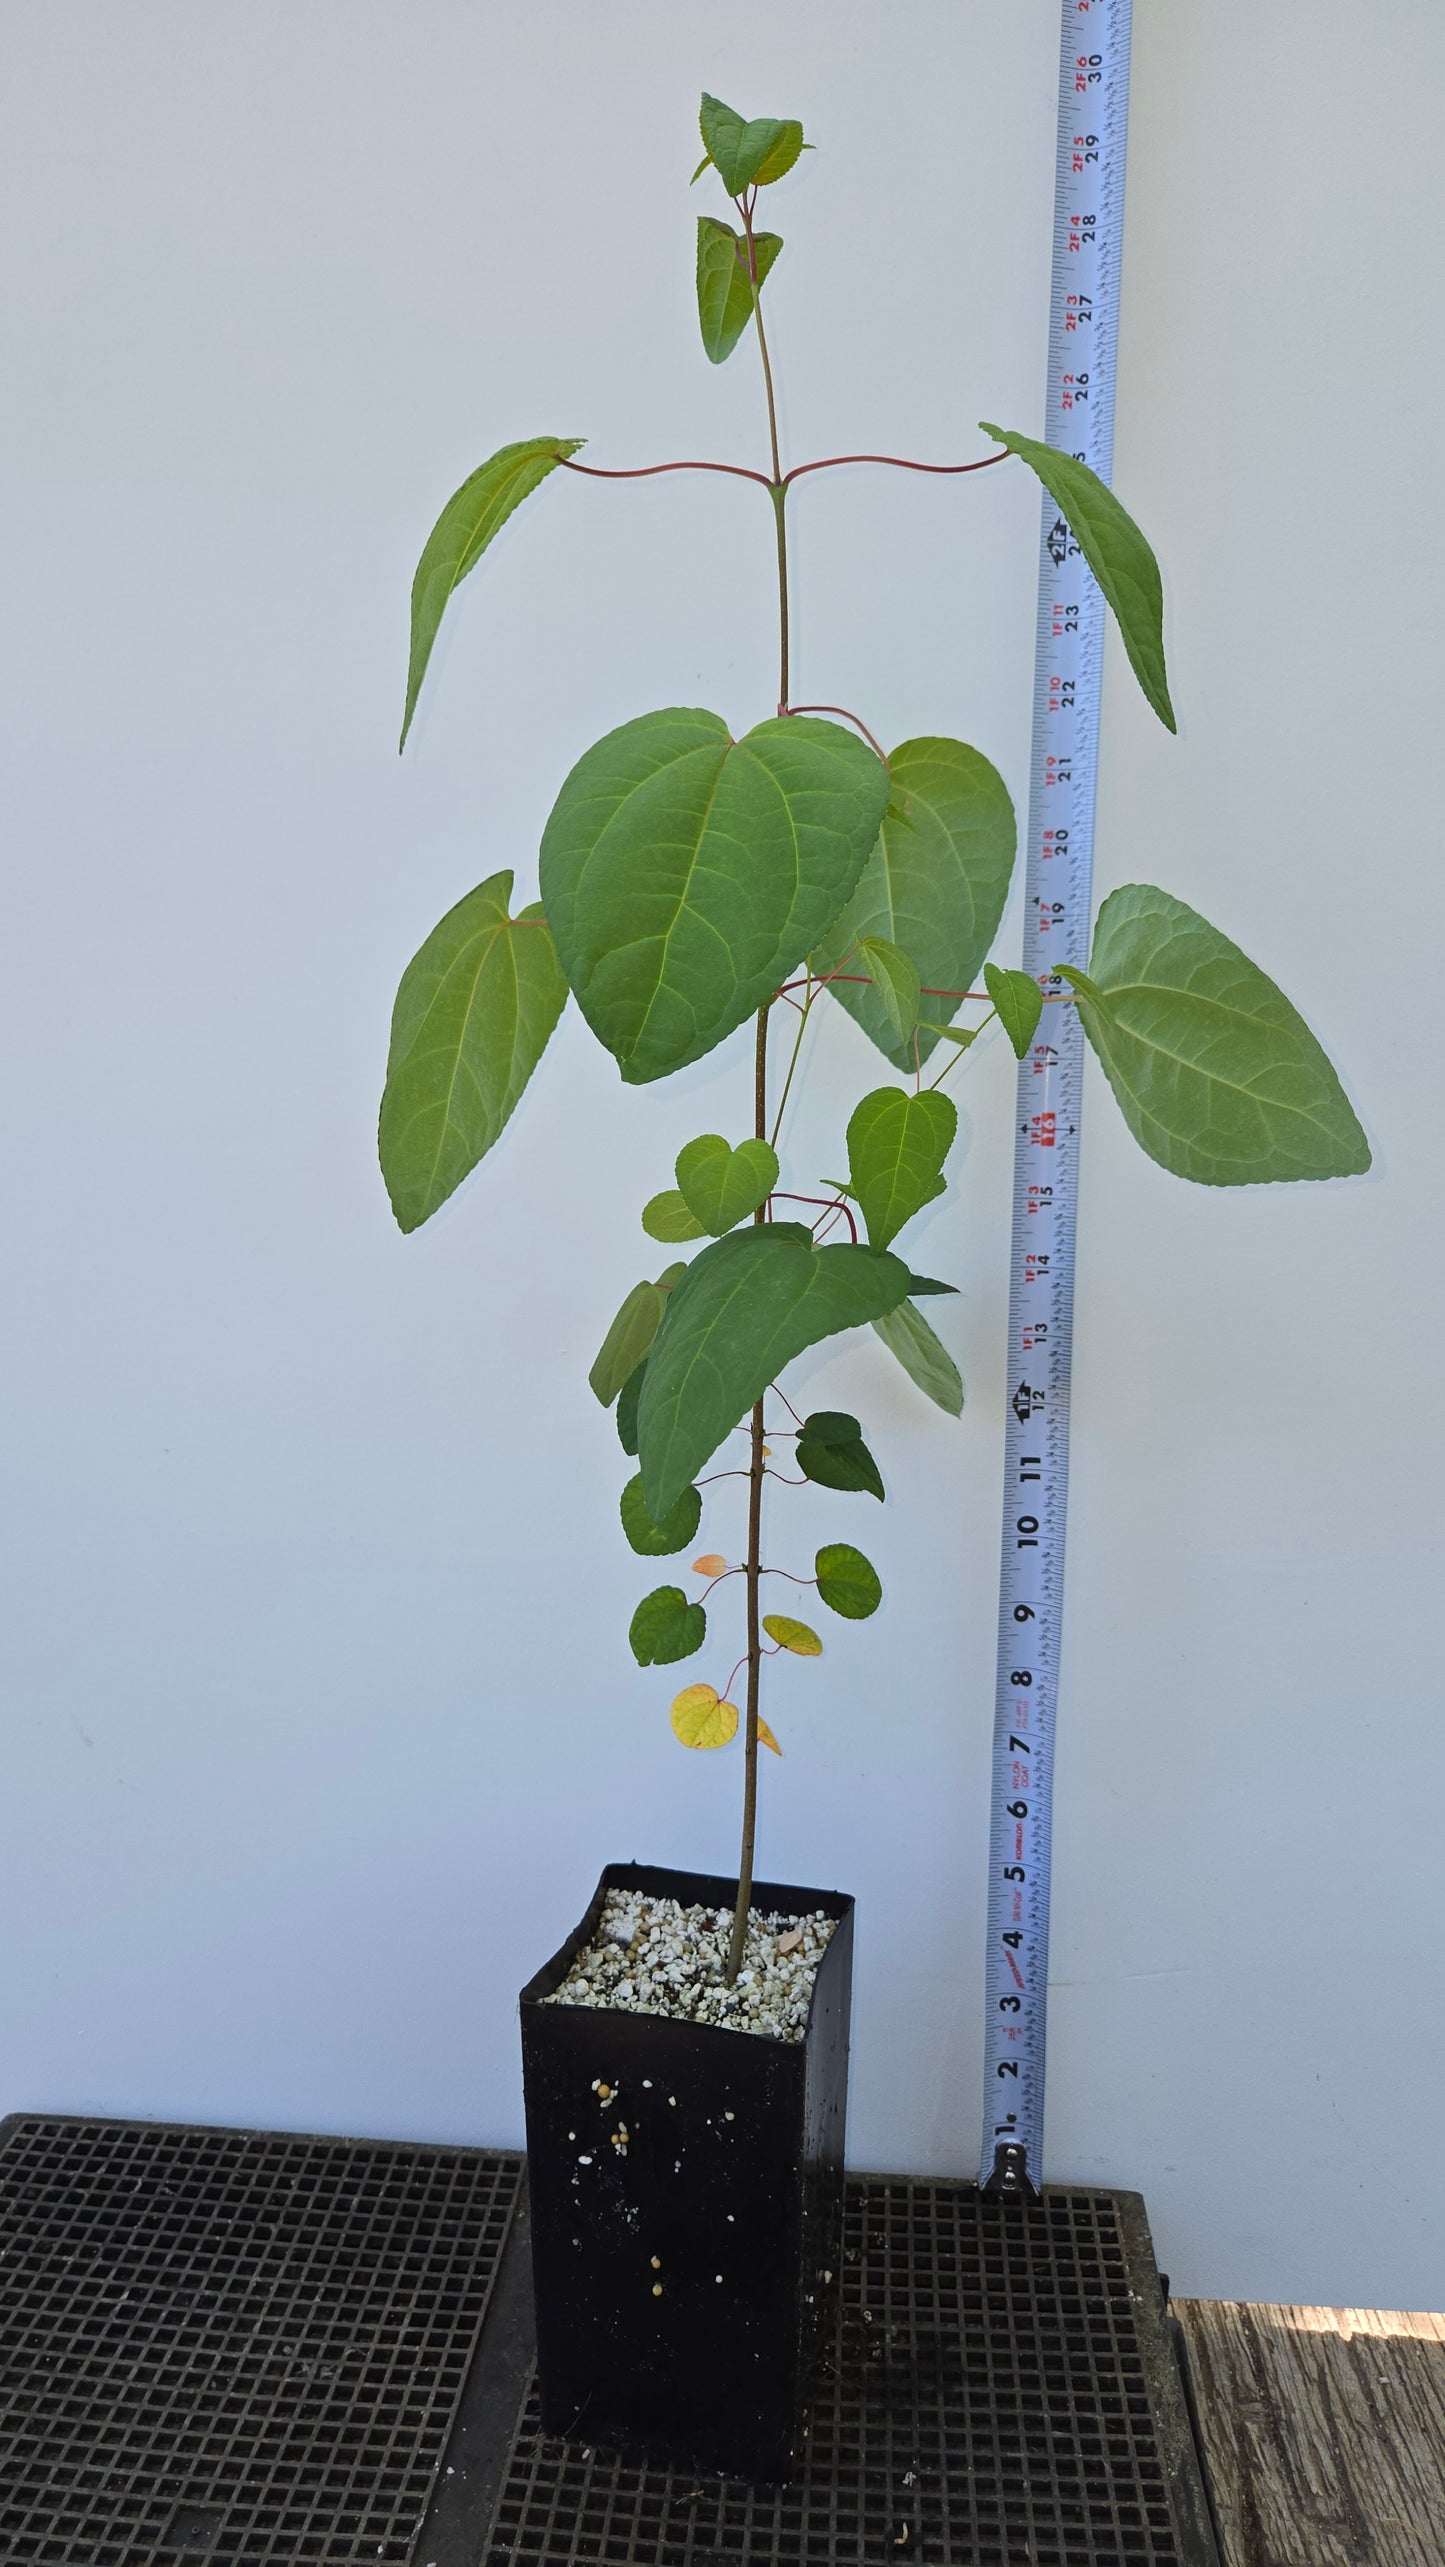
pixel 765 1736
pixel 700 1720
pixel 711 1565
pixel 797 1636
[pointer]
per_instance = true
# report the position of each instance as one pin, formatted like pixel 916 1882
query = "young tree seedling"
pixel 693 883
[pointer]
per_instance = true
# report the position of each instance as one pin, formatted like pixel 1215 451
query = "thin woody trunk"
pixel 754 1573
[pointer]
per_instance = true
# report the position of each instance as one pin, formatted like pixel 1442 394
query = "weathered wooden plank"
pixel 1324 2432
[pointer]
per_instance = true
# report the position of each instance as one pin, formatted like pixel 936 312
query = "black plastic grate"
pixel 230 2346
pixel 1001 2393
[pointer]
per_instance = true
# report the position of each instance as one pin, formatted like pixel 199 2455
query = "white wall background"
pixel 319 1713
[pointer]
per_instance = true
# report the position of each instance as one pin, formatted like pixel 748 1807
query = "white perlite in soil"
pixel 654 1956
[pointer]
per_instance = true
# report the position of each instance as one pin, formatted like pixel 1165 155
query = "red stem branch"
pixel 901 463
pixel 644 472
pixel 844 716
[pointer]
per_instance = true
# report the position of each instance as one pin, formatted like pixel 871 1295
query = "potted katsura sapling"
pixel 686 2051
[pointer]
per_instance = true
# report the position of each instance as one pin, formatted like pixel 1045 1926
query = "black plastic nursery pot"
pixel 682 2277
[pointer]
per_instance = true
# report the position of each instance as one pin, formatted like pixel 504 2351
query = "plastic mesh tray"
pixel 1001 2393
pixel 232 2345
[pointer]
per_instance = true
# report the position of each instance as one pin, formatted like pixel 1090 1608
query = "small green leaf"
pixel 896 980
pixel 665 1626
pixel 720 1185
pixel 797 1636
pixel 925 1359
pixel 1079 982
pixel 644 1532
pixel 897 1144
pixel 1217 1076
pixel 725 285
pixel 629 1339
pixel 934 885
pixel 782 155
pixel 740 153
pixel 962 1035
pixel 627 1399
pixel 462 533
pixel 475 1011
pixel 831 1426
pixel 745 1307
pixel 1116 552
pixel 667 1218
pixel 1018 1002
pixel 685 874
pixel 832 1452
pixel 847 1583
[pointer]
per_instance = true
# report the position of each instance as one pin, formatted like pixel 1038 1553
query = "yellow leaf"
pixel 765 1736
pixel 700 1720
pixel 792 1635
pixel 711 1565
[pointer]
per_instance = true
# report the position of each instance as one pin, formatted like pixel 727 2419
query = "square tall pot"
pixel 686 2232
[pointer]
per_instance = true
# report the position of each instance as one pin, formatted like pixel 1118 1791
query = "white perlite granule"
pixel 654 1956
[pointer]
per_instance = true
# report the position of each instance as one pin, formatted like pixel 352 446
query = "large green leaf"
pixel 624 1350
pixel 744 1308
pixel 685 874
pixel 462 533
pixel 897 1144
pixel 1218 1077
pixel 925 1359
pixel 1117 554
pixel 724 286
pixel 473 1016
pixel 721 1185
pixel 934 885
pixel 747 155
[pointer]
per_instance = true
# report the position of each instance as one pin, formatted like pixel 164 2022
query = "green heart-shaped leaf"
pixel 473 1016
pixel 656 1539
pixel 666 1217
pixel 720 1185
pixel 742 1310
pixel 934 886
pixel 724 284
pixel 897 1144
pixel 1117 554
pixel 462 533
pixel 1018 1003
pixel 684 874
pixel 832 1452
pixel 925 1359
pixel 847 1583
pixel 1218 1077
pixel 748 155
pixel 665 1626
pixel 626 1344
pixel 896 980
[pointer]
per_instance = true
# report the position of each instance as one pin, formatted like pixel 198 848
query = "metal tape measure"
pixel 1083 332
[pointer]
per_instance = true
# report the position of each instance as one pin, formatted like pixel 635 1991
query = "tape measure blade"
pixel 1083 325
